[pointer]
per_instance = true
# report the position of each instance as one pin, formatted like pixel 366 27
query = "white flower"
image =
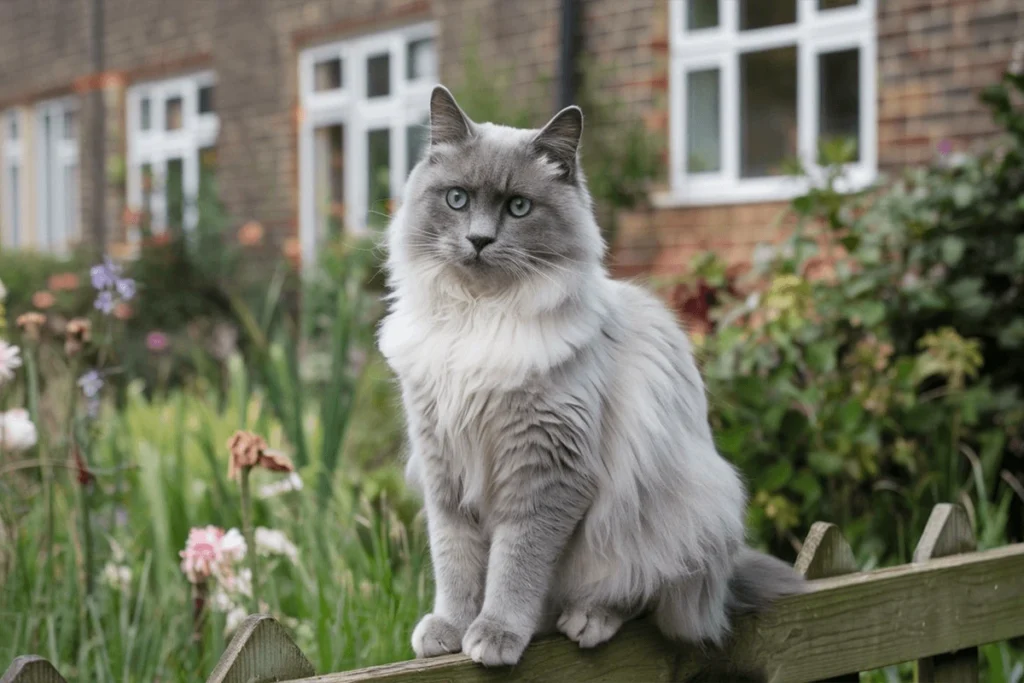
pixel 232 546
pixel 17 433
pixel 117 576
pixel 273 542
pixel 753 301
pixel 10 360
pixel 293 482
pixel 220 601
pixel 234 620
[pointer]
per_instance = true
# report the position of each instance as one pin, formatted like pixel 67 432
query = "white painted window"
pixel 56 167
pixel 12 179
pixel 172 126
pixel 365 105
pixel 756 84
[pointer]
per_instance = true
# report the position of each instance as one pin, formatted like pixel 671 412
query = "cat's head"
pixel 494 207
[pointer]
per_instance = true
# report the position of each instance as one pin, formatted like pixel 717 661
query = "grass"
pixel 351 599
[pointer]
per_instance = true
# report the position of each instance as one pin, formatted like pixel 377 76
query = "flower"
pixel 117 576
pixel 17 432
pixel 250 450
pixel 31 324
pixel 91 383
pixel 945 146
pixel 273 542
pixel 157 341
pixel 234 620
pixel 43 299
pixel 293 482
pixel 250 234
pixel 63 282
pixel 232 545
pixel 202 553
pixel 123 311
pixel 78 333
pixel 111 288
pixel 10 360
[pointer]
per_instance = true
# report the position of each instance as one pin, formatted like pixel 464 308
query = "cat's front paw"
pixel 589 627
pixel 435 636
pixel 489 642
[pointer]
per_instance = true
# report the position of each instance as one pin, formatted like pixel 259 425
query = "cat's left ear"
pixel 559 141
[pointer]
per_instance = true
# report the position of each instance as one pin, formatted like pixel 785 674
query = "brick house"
pixel 312 110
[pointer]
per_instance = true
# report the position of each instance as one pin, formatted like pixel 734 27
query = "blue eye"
pixel 457 198
pixel 519 206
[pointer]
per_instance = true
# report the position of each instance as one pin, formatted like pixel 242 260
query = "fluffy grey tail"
pixel 758 580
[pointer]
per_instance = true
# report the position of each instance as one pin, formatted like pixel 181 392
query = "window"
pixel 365 103
pixel 172 130
pixel 12 219
pixel 756 86
pixel 57 192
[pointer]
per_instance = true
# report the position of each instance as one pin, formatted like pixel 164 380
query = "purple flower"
pixel 91 383
pixel 105 302
pixel 105 275
pixel 157 341
pixel 945 146
pixel 125 288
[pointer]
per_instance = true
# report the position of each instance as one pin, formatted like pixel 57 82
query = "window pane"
pixel 767 110
pixel 761 13
pixel 70 125
pixel 47 189
pixel 378 146
pixel 839 81
pixel 174 189
pixel 12 126
pixel 701 14
pixel 144 116
pixel 173 113
pixel 378 80
pixel 421 59
pixel 71 201
pixel 206 99
pixel 833 4
pixel 146 176
pixel 207 172
pixel 329 179
pixel 327 75
pixel 703 135
pixel 15 206
pixel 416 138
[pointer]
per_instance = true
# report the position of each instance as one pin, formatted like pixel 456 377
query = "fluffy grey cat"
pixel 557 421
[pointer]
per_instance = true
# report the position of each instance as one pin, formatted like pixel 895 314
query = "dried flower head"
pixel 250 450
pixel 78 333
pixel 123 311
pixel 63 282
pixel 250 234
pixel 31 324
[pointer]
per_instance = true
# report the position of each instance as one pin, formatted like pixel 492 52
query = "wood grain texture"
pixel 31 669
pixel 825 553
pixel 844 624
pixel 948 532
pixel 261 651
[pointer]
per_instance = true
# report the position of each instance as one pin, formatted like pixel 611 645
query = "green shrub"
pixel 865 395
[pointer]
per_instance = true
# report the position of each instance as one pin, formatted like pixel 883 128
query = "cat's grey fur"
pixel 556 417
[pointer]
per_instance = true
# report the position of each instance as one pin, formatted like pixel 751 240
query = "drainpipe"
pixel 567 56
pixel 97 150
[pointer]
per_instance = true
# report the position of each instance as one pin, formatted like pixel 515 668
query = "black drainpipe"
pixel 567 58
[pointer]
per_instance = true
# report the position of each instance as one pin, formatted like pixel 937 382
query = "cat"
pixel 557 421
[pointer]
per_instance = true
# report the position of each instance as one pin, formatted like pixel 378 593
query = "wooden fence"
pixel 936 610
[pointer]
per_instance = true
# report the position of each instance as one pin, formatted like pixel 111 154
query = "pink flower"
pixel 945 146
pixel 202 553
pixel 157 341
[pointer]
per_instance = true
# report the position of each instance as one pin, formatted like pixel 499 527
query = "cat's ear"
pixel 559 141
pixel 448 123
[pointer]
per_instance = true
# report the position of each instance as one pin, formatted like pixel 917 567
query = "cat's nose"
pixel 479 241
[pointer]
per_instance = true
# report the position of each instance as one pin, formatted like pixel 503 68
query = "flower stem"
pixel 250 539
pixel 198 616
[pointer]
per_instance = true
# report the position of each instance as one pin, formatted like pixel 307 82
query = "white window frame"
pixel 407 103
pixel 157 145
pixel 57 227
pixel 815 32
pixel 12 156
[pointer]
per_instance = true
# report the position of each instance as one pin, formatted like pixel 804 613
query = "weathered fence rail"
pixel 936 610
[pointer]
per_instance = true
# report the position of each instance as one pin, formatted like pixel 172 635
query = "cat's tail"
pixel 758 580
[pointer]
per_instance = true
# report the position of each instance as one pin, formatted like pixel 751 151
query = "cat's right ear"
pixel 448 123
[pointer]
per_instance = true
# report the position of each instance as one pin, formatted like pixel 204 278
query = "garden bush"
pixel 876 365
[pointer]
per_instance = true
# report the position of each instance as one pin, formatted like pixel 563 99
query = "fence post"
pixel 31 669
pixel 825 554
pixel 261 652
pixel 948 532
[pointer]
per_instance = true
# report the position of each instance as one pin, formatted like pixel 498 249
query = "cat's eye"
pixel 457 198
pixel 519 206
